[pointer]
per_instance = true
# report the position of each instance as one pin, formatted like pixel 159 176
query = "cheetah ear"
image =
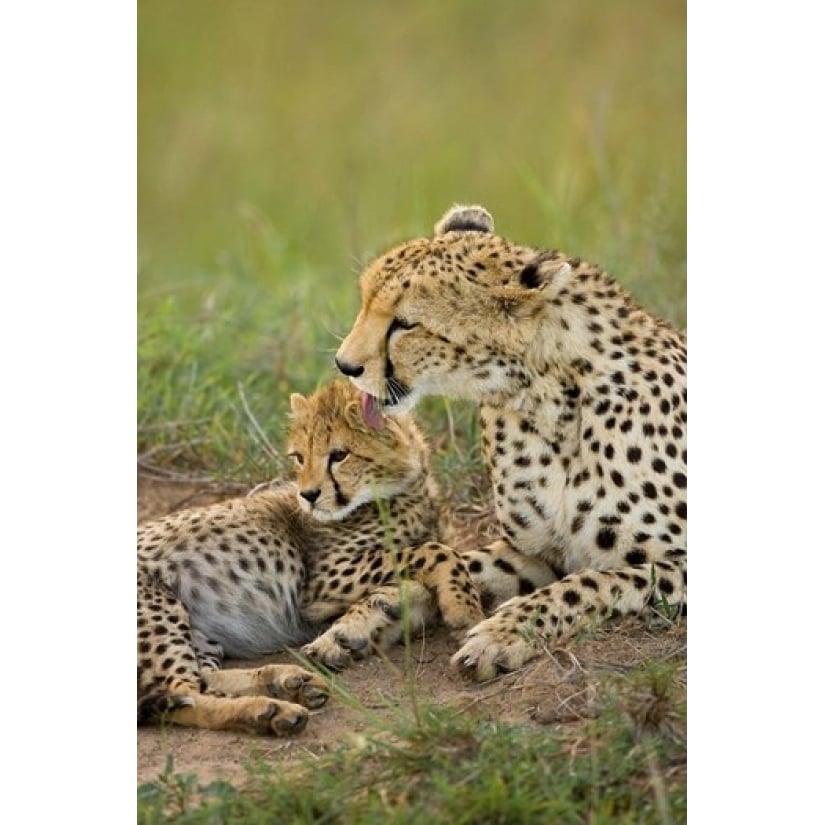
pixel 545 269
pixel 522 297
pixel 298 403
pixel 465 219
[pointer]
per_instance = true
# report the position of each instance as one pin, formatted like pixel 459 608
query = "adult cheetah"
pixel 249 576
pixel 583 409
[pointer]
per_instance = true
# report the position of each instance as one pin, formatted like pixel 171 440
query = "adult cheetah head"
pixel 449 315
pixel 344 462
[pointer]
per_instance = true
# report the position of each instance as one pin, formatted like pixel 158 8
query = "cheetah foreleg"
pixel 272 699
pixel 289 683
pixel 515 633
pixel 375 622
pixel 256 713
pixel 442 570
pixel 501 572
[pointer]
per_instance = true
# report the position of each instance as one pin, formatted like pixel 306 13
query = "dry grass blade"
pixel 257 427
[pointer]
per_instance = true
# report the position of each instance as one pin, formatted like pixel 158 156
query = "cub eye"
pixel 338 455
pixel 296 457
pixel 399 324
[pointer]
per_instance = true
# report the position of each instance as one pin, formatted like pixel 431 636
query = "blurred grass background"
pixel 283 144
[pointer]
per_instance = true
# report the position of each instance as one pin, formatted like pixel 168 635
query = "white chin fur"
pixel 363 498
pixel 326 515
pixel 339 514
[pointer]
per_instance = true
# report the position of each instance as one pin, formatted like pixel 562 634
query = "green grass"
pixel 437 765
pixel 282 145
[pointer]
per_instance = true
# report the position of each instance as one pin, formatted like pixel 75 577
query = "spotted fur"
pixel 243 578
pixel 583 410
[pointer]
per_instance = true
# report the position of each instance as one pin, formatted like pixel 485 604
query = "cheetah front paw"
pixel 365 625
pixel 327 651
pixel 491 646
pixel 291 683
pixel 280 718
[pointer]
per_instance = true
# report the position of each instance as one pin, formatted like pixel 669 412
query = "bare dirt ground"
pixel 560 688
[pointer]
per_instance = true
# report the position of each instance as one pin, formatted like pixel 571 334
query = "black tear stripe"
pixel 399 323
pixel 395 325
pixel 340 499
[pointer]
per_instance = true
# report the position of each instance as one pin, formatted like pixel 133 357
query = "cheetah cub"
pixel 352 541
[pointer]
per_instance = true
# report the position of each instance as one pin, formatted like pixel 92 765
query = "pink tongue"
pixel 369 408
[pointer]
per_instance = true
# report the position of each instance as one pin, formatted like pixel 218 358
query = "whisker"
pixel 392 386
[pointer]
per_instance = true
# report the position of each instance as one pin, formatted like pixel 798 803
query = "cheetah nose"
pixel 311 495
pixel 348 369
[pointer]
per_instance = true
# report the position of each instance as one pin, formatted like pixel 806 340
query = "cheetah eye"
pixel 336 456
pixel 399 324
pixel 296 457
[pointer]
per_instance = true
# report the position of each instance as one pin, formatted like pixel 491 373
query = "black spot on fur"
pixel 520 520
pixel 606 538
pixel 529 277
pixel 571 597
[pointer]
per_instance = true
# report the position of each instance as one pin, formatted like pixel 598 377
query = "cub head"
pixel 347 454
pixel 449 315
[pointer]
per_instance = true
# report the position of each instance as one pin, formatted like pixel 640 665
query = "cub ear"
pixel 465 219
pixel 544 269
pixel 363 416
pixel 297 403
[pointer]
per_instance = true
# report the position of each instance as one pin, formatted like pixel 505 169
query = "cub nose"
pixel 311 495
pixel 348 369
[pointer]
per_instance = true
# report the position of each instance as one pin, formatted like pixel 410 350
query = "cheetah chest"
pixel 528 471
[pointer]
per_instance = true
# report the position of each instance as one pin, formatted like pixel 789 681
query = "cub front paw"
pixel 293 684
pixel 271 716
pixel 328 651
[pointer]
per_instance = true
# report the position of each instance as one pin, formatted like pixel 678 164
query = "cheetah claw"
pixel 328 652
pixel 391 609
pixel 490 650
pixel 299 686
pixel 283 719
pixel 356 645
